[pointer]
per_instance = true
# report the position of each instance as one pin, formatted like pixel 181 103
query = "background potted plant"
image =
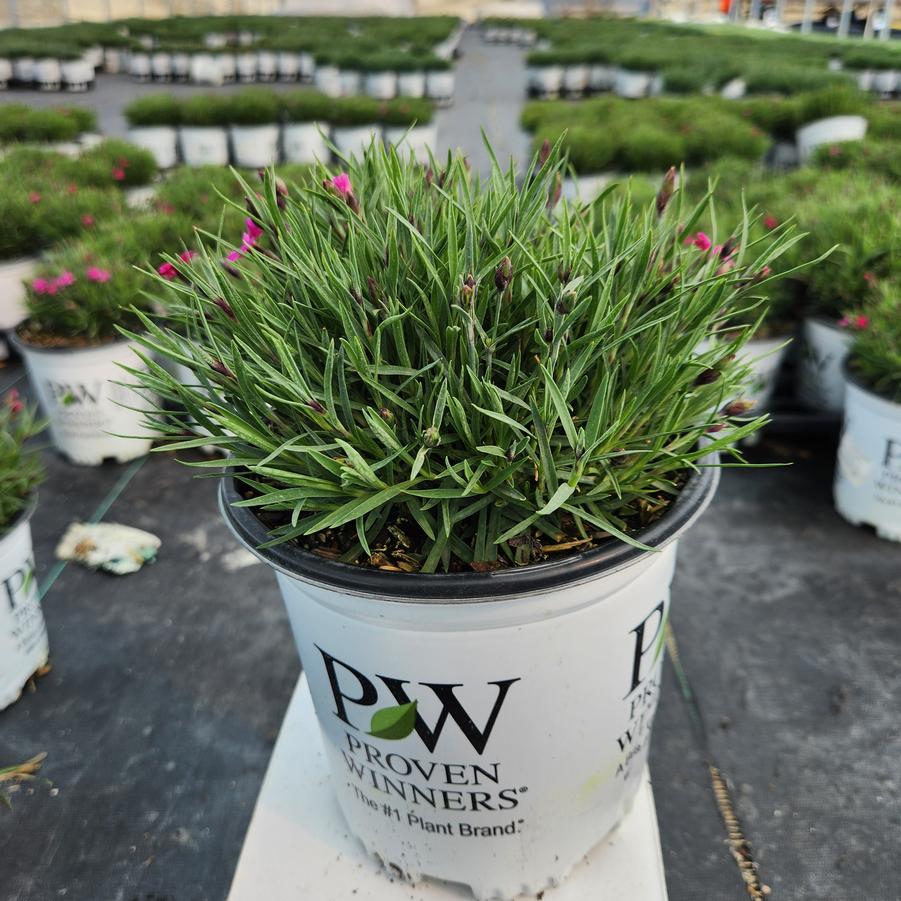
pixel 305 129
pixel 507 409
pixel 409 126
pixel 23 635
pixel 355 124
pixel 830 117
pixel 439 80
pixel 254 118
pixel 410 69
pixel 203 135
pixel 153 124
pixel 327 74
pixel 380 75
pixel 544 73
pixel 868 474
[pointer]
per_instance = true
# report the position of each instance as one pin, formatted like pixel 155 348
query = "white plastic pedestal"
pixel 298 846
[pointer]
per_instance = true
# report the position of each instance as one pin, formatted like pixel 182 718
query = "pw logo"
pixel 352 689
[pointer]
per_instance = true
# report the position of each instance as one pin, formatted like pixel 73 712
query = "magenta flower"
pixel 64 280
pixel 87 220
pixel 43 286
pixel 770 222
pixel 187 255
pixel 235 255
pixel 702 241
pixel 168 272
pixel 96 274
pixel 856 322
pixel 72 188
pixel 341 183
pixel 118 173
pixel 34 197
pixel 14 401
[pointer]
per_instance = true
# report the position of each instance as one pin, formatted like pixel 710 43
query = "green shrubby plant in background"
pixel 20 123
pixel 20 468
pixel 445 355
pixel 876 353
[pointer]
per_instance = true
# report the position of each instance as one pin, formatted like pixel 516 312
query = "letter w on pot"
pixel 365 692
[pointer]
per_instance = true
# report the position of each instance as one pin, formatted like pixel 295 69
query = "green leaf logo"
pixel 393 723
pixel 68 399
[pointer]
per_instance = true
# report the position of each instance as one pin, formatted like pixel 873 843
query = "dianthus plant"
pixel 493 373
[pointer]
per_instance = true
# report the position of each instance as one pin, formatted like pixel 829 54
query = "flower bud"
pixel 431 437
pixel 548 336
pixel 225 306
pixel 316 406
pixel 554 194
pixel 545 153
pixel 716 427
pixel 667 189
pixel 707 377
pixel 387 415
pixel 372 286
pixel 221 368
pixel 503 274
pixel 564 274
pixel 737 408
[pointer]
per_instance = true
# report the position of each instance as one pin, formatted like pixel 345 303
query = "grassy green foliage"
pixel 449 353
pixel 21 123
pixel 153 110
pixel 20 470
pixel 876 354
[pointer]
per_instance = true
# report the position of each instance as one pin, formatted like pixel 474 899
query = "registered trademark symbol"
pixel 523 790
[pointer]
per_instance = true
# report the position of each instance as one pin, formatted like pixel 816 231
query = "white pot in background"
pixel 420 140
pixel 439 86
pixel 161 66
pixel 140 198
pixel 885 81
pixel 833 130
pixel 112 60
pixel 586 187
pixel 305 142
pixel 821 378
pixel 215 40
pixel 205 145
pixel 411 84
pixel 255 146
pixel 545 81
pixel 734 89
pixel 23 634
pixel 13 275
pixel 267 65
pixel 352 140
pixel 160 140
pixel 633 85
pixel 139 66
pixel 93 56
pixel 246 67
pixel 868 475
pixel 246 38
pixel 85 406
pixel 181 66
pixel 534 702
pixel 288 66
pixel 78 75
pixel 764 356
pixel 205 69
pixel 381 85
pixel 306 64
pixel 865 79
pixel 328 80
pixel 6 73
pixel 23 69
pixel 351 82
pixel 228 66
pixel 601 77
pixel 48 74
pixel 575 79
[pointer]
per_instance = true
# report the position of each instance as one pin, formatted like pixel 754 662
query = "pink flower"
pixel 118 173
pixel 166 208
pixel 855 322
pixel 869 278
pixel 95 274
pixel 14 401
pixel 72 188
pixel 702 241
pixel 341 183
pixel 770 222
pixel 87 220
pixel 861 322
pixel 235 255
pixel 835 151
pixel 65 279
pixel 187 255
pixel 34 197
pixel 43 286
pixel 168 272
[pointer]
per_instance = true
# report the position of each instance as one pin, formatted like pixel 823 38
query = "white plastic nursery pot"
pixel 13 274
pixel 306 64
pixel 181 66
pixel 6 73
pixel 633 85
pixel 381 85
pixel 78 75
pixel 328 80
pixel 205 69
pixel 23 634
pixel 205 145
pixel 351 82
pixel 23 69
pixel 112 60
pixel 93 56
pixel 419 139
pixel 411 84
pixel 48 74
pixel 575 80
pixel 305 142
pixel 764 356
pixel 734 89
pixel 868 475
pixel 160 140
pixel 267 65
pixel 228 67
pixel 821 378
pixel 439 86
pixel 601 77
pixel 287 66
pixel 865 80
pixel 161 66
pixel 545 81
pixel 834 130
pixel 88 411
pixel 535 691
pixel 885 81
pixel 352 140
pixel 255 146
pixel 139 66
pixel 246 67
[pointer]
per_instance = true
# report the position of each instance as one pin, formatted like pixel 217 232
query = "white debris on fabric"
pixel 108 546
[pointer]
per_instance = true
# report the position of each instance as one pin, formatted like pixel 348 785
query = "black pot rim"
pixel 470 586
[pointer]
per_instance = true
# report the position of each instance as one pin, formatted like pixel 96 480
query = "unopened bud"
pixel 738 407
pixel 707 377
pixel 387 415
pixel 225 306
pixel 503 274
pixel 431 437
pixel 429 177
pixel 716 427
pixel 316 406
pixel 221 368
pixel 372 286
pixel 564 274
pixel 548 336
pixel 544 153
pixel 555 192
pixel 667 189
